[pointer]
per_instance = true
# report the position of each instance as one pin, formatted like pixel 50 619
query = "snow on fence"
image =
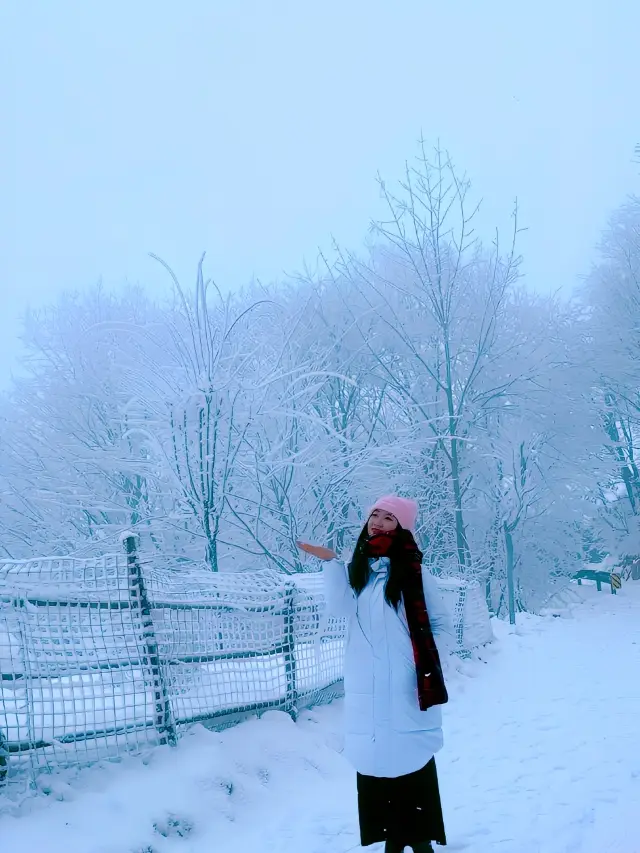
pixel 103 656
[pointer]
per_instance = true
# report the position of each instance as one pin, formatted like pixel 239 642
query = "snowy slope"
pixel 542 756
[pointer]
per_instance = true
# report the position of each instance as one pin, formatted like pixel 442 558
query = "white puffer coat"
pixel 386 733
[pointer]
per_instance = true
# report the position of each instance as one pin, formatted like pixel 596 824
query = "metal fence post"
pixel 458 622
pixel 163 717
pixel 4 760
pixel 289 652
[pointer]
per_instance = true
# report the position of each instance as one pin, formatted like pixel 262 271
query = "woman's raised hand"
pixel 317 551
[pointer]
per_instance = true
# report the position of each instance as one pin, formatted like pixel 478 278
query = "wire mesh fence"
pixel 106 656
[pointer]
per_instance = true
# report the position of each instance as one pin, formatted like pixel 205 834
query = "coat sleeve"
pixel 439 616
pixel 339 596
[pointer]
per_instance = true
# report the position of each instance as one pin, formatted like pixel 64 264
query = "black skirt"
pixel 406 810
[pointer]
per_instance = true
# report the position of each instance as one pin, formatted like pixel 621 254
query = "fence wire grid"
pixel 105 656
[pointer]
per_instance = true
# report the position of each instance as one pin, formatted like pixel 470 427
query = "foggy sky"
pixel 254 130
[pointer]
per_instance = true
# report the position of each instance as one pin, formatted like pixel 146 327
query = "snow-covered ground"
pixel 542 755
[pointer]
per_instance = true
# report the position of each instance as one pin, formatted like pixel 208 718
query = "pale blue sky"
pixel 254 130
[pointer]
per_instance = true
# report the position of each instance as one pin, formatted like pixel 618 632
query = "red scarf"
pixel 431 687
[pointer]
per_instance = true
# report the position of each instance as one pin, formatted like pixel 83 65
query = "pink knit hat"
pixel 405 510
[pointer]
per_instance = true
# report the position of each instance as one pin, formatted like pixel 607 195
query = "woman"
pixel 393 680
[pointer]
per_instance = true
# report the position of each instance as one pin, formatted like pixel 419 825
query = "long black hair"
pixel 360 570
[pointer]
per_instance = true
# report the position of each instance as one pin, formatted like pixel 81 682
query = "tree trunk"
pixel 508 541
pixel 487 591
pixel 212 545
pixel 461 538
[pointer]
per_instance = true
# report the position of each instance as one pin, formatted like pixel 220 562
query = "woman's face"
pixel 381 521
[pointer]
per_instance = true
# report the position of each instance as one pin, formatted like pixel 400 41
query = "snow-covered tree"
pixel 611 346
pixel 224 429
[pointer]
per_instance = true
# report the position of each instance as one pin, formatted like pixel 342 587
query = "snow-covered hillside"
pixel 542 756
